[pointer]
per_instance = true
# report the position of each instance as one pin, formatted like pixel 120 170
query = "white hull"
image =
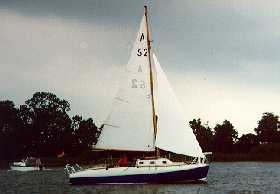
pixel 24 168
pixel 151 174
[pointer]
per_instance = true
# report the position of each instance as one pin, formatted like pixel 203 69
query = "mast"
pixel 151 76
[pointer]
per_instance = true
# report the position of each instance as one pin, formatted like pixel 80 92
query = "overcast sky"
pixel 221 57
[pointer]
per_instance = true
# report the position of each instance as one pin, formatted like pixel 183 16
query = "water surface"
pixel 228 178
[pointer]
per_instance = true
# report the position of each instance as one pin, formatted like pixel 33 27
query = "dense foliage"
pixel 42 127
pixel 203 134
pixel 223 138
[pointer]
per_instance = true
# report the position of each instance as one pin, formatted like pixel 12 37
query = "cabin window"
pixel 152 162
pixel 163 162
pixel 141 163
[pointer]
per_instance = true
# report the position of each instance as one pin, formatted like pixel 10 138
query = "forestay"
pixel 130 125
pixel 173 132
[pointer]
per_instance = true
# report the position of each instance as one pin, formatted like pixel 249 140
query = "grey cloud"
pixel 222 37
pixel 85 10
pixel 225 41
pixel 208 35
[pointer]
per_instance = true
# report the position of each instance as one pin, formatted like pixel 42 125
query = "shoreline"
pixel 216 157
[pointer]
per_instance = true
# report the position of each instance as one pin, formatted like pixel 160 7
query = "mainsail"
pixel 173 133
pixel 130 124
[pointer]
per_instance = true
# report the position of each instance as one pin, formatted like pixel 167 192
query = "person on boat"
pixel 123 161
pixel 39 163
pixel 132 162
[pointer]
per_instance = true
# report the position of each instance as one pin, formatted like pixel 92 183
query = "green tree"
pixel 42 127
pixel 267 129
pixel 203 134
pixel 48 118
pixel 224 137
pixel 85 132
pixel 246 142
pixel 24 135
pixel 9 129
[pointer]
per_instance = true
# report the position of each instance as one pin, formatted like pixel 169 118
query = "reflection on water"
pixel 145 189
pixel 229 178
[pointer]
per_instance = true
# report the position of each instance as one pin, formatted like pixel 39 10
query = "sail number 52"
pixel 137 83
pixel 140 52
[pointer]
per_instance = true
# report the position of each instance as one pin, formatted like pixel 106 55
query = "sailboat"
pixel 146 116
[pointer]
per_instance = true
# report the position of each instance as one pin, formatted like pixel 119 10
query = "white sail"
pixel 130 125
pixel 173 131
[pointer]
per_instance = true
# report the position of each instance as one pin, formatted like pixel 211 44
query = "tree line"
pixel 42 127
pixel 223 138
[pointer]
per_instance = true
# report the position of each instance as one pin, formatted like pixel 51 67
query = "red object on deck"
pixel 123 161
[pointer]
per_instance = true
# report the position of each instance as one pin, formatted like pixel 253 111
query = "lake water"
pixel 228 178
